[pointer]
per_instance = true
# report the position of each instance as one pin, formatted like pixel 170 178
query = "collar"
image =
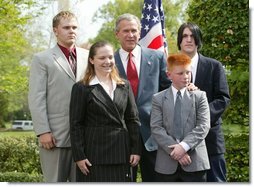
pixel 194 61
pixel 135 52
pixel 95 81
pixel 174 90
pixel 67 51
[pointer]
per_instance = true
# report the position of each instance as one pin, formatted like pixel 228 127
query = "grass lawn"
pixel 16 133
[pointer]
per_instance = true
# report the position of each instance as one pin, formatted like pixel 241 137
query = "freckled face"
pixel 180 76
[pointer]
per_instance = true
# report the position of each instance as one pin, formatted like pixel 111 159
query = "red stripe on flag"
pixel 156 43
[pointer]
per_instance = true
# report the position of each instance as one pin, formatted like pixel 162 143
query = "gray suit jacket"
pixel 152 79
pixel 50 84
pixel 195 116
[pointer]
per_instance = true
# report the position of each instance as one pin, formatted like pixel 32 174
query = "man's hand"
pixel 191 87
pixel 177 151
pixel 47 140
pixel 185 160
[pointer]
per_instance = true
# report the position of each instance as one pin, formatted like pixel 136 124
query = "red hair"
pixel 177 60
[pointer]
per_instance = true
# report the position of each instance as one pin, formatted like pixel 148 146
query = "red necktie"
pixel 73 63
pixel 132 75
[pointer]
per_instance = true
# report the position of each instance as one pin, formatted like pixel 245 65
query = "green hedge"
pixel 19 159
pixel 237 157
pixel 20 177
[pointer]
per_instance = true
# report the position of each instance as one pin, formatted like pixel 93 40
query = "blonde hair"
pixel 60 15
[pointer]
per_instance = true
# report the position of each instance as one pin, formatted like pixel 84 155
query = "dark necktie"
pixel 178 128
pixel 73 63
pixel 132 75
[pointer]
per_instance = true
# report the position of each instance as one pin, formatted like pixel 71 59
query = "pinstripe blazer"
pixel 102 130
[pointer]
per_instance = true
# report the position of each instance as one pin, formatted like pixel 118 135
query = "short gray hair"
pixel 128 17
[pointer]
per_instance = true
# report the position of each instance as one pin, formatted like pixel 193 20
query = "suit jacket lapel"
pixel 119 65
pixel 104 98
pixel 62 61
pixel 168 104
pixel 144 70
pixel 201 71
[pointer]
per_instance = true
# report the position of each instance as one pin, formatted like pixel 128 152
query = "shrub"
pixel 237 157
pixel 20 177
pixel 19 154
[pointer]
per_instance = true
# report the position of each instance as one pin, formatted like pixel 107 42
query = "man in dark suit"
pixel 208 75
pixel 152 78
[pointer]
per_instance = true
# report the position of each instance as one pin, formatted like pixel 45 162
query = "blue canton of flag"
pixel 152 26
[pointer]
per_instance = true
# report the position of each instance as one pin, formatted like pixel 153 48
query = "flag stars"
pixel 156 10
pixel 146 28
pixel 144 6
pixel 155 19
pixel 161 8
pixel 148 17
pixel 149 7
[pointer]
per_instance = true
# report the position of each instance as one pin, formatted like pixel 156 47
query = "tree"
pixel 225 26
pixel 15 49
pixel 173 12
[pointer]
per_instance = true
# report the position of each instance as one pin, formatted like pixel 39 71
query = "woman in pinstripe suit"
pixel 104 121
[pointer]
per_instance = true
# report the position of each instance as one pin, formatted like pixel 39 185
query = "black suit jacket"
pixel 102 130
pixel 211 78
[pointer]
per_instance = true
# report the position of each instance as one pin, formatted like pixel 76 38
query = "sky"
pixel 83 9
pixel 86 10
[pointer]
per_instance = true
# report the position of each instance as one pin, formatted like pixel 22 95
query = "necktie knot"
pixel 179 94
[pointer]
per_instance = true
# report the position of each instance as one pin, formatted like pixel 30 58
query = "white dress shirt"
pixel 194 65
pixel 95 80
pixel 136 52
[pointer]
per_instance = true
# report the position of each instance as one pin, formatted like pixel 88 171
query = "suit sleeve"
pixel 221 97
pixel 201 129
pixel 133 123
pixel 77 121
pixel 164 81
pixel 37 95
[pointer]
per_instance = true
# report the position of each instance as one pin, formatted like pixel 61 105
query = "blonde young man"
pixel 52 75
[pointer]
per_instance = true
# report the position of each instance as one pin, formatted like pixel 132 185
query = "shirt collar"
pixel 194 61
pixel 135 52
pixel 174 90
pixel 95 81
pixel 67 51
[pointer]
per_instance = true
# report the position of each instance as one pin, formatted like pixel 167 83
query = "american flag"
pixel 152 26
